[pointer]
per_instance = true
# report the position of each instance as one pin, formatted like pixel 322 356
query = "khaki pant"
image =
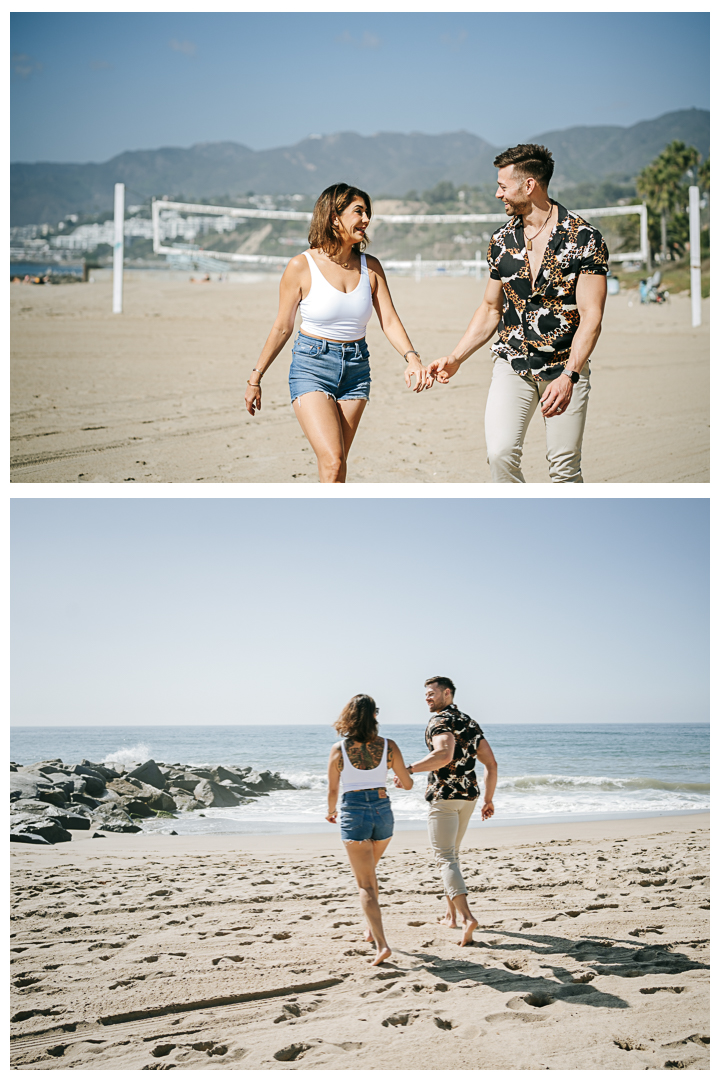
pixel 448 820
pixel 512 401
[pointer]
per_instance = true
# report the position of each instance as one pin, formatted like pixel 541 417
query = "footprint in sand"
pixel 292 1052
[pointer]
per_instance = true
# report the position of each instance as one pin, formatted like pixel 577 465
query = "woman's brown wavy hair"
pixel 358 720
pixel 334 200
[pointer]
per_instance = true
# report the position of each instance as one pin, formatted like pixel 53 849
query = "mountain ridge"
pixel 386 163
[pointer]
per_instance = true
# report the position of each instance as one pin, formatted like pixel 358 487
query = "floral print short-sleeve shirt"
pixel 539 320
pixel 456 780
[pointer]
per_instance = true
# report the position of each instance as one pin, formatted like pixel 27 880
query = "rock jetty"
pixel 50 799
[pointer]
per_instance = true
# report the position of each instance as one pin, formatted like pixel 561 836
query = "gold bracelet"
pixel 253 383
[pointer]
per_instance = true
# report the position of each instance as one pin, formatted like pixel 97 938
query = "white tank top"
pixel 361 779
pixel 328 313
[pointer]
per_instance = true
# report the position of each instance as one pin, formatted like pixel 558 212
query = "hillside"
pixel 385 164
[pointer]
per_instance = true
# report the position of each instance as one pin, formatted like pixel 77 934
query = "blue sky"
pixel 87 86
pixel 187 611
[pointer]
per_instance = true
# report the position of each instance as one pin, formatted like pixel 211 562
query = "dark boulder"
pixel 105 771
pixel 116 825
pixel 220 773
pixel 25 784
pixel 127 787
pixel 71 821
pixel 27 838
pixel 136 808
pixel 94 782
pixel 53 796
pixel 47 828
pixel 36 807
pixel 84 800
pixel 211 794
pixel 149 773
pixel 110 817
pixel 185 783
pixel 267 781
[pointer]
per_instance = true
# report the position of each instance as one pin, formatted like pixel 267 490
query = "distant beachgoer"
pixel 454 741
pixel 336 287
pixel 361 761
pixel 545 297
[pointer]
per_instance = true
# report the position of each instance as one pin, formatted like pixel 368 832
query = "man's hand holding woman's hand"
pixel 443 369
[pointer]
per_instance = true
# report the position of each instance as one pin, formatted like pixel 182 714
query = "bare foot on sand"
pixel 383 955
pixel 448 920
pixel 368 936
pixel 468 926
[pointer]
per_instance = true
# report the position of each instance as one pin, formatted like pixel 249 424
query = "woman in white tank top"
pixel 361 762
pixel 336 288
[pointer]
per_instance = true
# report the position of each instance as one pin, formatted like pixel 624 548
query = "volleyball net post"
pixel 118 249
pixel 695 279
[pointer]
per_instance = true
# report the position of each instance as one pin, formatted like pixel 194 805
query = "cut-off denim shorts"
pixel 340 369
pixel 365 816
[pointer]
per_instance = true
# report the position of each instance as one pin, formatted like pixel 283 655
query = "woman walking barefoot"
pixel 336 287
pixel 361 760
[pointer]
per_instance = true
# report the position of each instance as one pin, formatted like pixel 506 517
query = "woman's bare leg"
pixel 329 427
pixel 362 861
pixel 350 414
pixel 379 847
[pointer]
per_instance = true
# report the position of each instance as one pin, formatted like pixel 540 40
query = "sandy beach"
pixel 156 394
pixel 230 952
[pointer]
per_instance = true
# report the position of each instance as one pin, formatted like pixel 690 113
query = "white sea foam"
pixel 130 755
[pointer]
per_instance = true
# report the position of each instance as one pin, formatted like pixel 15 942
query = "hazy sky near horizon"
pixel 88 86
pixel 251 611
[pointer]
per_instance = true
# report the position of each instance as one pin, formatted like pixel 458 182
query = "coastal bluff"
pixel 49 799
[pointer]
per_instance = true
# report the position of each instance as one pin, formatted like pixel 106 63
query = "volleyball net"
pixel 210 238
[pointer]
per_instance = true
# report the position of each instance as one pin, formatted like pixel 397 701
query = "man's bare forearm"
pixel 482 327
pixel 585 340
pixel 490 782
pixel 436 760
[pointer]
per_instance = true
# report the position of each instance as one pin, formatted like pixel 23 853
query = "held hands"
pixel 556 398
pixel 423 378
pixel 443 369
pixel 253 398
pixel 487 809
pixel 396 781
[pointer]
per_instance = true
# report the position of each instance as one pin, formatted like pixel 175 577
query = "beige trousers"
pixel 448 820
pixel 512 401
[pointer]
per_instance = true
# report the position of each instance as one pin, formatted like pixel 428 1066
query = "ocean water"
pixel 547 772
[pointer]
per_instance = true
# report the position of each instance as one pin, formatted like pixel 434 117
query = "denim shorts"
pixel 365 816
pixel 340 369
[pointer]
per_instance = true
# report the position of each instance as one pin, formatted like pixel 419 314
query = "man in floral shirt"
pixel 545 298
pixel 455 742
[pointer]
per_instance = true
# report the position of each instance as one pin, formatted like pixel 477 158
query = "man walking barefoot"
pixel 545 297
pixel 454 741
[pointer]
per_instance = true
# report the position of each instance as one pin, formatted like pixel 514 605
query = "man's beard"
pixel 517 209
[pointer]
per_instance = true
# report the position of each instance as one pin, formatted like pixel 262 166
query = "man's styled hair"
pixel 443 682
pixel 334 201
pixel 529 159
pixel 358 719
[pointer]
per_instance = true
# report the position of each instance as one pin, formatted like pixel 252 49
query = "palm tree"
pixel 663 182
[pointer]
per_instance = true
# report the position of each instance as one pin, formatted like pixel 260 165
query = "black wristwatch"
pixel 573 376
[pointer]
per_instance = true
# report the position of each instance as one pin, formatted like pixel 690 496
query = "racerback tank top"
pixel 328 313
pixel 361 779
